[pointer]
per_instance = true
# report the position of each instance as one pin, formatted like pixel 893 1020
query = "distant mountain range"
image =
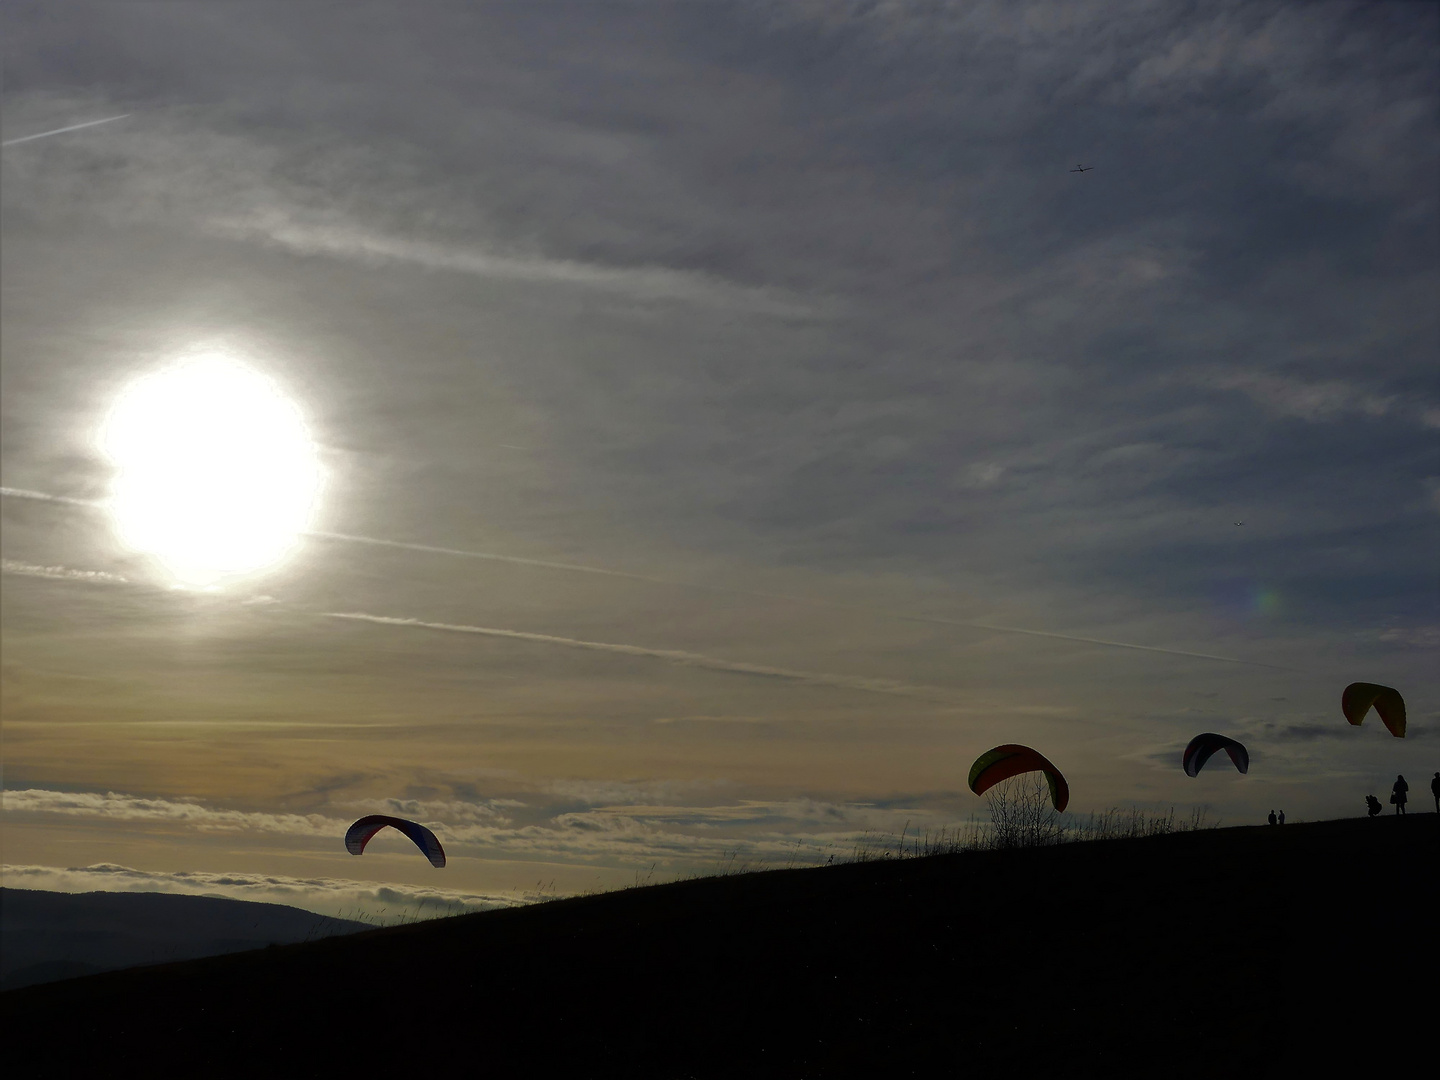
pixel 45 936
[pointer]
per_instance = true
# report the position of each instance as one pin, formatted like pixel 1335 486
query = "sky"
pixel 727 421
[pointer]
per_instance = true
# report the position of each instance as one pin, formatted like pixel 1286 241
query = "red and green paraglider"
pixel 1009 760
pixel 359 834
pixel 1204 745
pixel 1355 703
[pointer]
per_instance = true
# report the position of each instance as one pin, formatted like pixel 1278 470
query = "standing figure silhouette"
pixel 1435 790
pixel 1272 817
pixel 1282 817
pixel 1397 794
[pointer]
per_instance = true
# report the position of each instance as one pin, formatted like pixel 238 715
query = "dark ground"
pixel 1289 951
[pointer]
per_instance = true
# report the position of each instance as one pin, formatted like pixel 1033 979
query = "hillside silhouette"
pixel 45 936
pixel 1242 951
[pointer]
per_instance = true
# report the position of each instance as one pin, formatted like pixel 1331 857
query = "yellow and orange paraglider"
pixel 1390 706
pixel 1009 760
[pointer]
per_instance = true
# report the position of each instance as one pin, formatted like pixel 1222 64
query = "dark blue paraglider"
pixel 1202 746
pixel 359 834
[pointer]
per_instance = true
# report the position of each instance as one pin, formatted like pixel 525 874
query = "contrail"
pixel 931 694
pixel 61 131
pixel 579 568
pixel 463 554
pixel 41 496
pixel 933 620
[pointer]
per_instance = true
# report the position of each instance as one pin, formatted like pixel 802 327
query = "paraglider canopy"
pixel 359 834
pixel 1204 745
pixel 1010 760
pixel 1390 706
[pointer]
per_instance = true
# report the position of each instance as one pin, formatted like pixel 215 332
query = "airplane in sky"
pixel 1082 168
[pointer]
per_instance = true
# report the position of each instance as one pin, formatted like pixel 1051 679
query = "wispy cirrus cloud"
pixel 226 181
pixel 454 811
pixel 113 806
pixel 646 284
pixel 616 830
pixel 61 573
pixel 1312 400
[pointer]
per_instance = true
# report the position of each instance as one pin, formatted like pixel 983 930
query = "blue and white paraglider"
pixel 359 834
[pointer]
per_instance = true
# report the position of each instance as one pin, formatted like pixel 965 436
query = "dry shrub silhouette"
pixel 1021 815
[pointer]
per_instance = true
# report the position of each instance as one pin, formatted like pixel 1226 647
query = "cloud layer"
pixel 753 411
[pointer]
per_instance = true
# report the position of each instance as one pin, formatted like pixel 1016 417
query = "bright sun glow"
pixel 216 474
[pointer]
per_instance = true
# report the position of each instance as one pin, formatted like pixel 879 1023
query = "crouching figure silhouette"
pixel 1373 804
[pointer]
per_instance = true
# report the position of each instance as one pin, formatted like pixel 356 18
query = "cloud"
pixel 612 792
pixel 711 718
pixel 630 824
pixel 646 284
pixel 454 811
pixel 111 806
pixel 1307 400
pixel 1312 731
pixel 316 197
pixel 1309 732
pixel 61 573
pixel 339 897
pixel 1416 637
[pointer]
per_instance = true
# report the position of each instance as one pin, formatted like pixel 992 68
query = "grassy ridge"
pixel 1257 949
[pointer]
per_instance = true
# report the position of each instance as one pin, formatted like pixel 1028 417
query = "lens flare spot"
pixel 1266 602
pixel 216 475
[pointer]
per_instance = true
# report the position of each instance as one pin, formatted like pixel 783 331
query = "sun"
pixel 216 475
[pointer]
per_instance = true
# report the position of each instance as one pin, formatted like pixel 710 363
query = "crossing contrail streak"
pixel 61 131
pixel 933 620
pixel 933 695
pixel 580 568
pixel 516 559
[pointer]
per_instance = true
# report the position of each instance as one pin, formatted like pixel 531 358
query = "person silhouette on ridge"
pixel 1282 817
pixel 1397 794
pixel 1435 790
pixel 1373 805
pixel 1272 817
